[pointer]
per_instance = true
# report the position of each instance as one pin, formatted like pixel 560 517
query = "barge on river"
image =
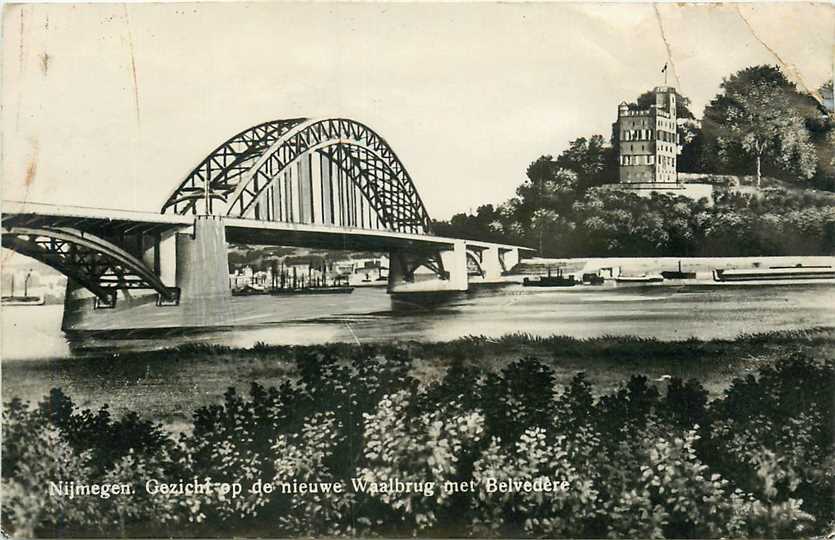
pixel 551 281
pixel 775 273
pixel 22 300
pixel 645 278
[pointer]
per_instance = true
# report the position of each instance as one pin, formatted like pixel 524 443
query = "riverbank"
pixel 167 385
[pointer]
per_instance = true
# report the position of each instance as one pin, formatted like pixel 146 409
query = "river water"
pixel 667 312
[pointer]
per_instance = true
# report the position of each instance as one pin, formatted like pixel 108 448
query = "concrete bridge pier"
pixel 202 267
pixel 194 262
pixel 203 275
pixel 432 271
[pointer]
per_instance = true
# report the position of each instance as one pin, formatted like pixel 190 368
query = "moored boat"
pixel 644 278
pixel 313 290
pixel 249 290
pixel 551 281
pixel 678 274
pixel 22 300
pixel 776 273
pixel 592 279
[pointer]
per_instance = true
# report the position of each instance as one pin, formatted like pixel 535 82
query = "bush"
pixel 779 421
pixel 36 453
pixel 108 441
pixel 637 462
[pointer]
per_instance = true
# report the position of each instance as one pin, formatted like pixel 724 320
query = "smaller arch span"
pixel 96 264
pixel 474 264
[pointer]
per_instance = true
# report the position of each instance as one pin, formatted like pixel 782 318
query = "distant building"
pixel 370 270
pixel 362 271
pixel 648 141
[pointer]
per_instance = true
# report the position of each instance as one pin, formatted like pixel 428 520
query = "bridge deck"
pixel 239 231
pixel 28 214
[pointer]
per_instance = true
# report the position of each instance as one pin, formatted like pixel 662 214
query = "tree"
pixel 692 143
pixel 594 162
pixel 757 116
pixel 548 186
pixel 822 134
pixel 543 221
pixel 647 99
pixel 486 224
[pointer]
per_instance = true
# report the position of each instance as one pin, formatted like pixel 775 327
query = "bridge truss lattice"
pixel 331 171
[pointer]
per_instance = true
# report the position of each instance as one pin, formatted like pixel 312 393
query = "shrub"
pixel 425 450
pixel 307 456
pixel 564 510
pixel 106 439
pixel 521 396
pixel 673 496
pixel 35 453
pixel 756 462
pixel 780 421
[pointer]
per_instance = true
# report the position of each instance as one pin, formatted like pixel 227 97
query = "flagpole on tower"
pixel 664 71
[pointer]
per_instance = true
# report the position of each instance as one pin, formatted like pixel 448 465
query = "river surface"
pixel 666 312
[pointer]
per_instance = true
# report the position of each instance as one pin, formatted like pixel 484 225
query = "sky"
pixel 111 105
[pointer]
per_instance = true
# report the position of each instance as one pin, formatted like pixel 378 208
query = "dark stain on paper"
pixel 45 62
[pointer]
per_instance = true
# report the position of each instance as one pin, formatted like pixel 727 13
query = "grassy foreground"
pixel 421 436
pixel 167 385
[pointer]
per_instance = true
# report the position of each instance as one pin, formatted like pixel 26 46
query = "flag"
pixel 664 69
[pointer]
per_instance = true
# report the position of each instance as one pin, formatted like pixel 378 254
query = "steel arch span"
pixel 332 171
pixel 94 263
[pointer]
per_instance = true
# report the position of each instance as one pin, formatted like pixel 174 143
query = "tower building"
pixel 648 141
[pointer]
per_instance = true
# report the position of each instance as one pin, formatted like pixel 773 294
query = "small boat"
pixel 672 274
pixel 644 278
pixel 678 274
pixel 249 290
pixel 592 279
pixel 775 273
pixel 26 299
pixel 551 281
pixel 22 300
pixel 312 290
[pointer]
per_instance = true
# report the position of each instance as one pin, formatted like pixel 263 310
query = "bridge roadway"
pixel 146 270
pixel 238 231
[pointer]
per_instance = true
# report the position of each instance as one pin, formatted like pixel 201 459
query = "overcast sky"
pixel 112 105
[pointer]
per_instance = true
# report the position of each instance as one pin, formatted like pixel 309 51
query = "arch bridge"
pixel 328 171
pixel 327 183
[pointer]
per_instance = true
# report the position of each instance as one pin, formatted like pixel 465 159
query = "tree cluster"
pixel 761 118
pixel 758 123
pixel 640 461
pixel 560 221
